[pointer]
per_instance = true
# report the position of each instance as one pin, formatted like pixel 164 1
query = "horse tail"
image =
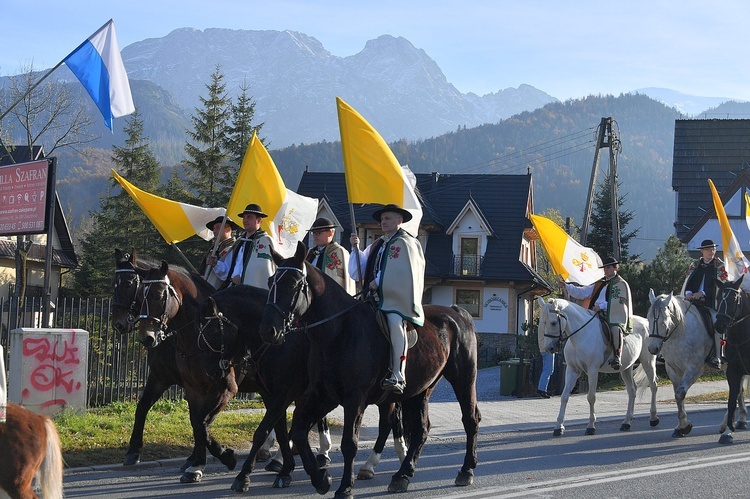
pixel 640 378
pixel 51 470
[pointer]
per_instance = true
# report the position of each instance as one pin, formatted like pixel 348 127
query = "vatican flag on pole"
pixel 734 261
pixel 290 215
pixel 175 221
pixel 574 263
pixel 373 174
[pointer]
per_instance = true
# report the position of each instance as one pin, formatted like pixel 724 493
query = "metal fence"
pixel 118 365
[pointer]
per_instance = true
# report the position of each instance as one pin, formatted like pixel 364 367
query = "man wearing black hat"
pixel 328 255
pixel 611 296
pixel 225 245
pixel 251 262
pixel 394 269
pixel 700 289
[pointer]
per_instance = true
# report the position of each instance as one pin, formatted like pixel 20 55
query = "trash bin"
pixel 509 376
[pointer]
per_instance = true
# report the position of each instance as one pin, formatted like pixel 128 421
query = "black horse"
pixel 230 323
pixel 349 356
pixel 733 320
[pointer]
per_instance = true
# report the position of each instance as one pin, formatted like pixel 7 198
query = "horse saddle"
pixel 411 331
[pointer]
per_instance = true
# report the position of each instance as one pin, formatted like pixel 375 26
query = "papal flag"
pixel 175 221
pixel 289 214
pixel 734 261
pixel 573 262
pixel 373 174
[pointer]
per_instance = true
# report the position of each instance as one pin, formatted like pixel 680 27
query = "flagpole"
pixel 361 279
pixel 31 90
pixel 216 244
pixel 184 258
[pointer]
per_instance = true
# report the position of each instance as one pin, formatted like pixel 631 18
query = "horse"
pixel 230 325
pixel 31 447
pixel 732 315
pixel 586 350
pixel 349 356
pixel 678 332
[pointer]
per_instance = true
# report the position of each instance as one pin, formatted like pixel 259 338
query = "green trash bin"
pixel 508 376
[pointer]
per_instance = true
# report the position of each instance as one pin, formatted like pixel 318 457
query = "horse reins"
pixel 559 335
pixel 131 309
pixel 669 332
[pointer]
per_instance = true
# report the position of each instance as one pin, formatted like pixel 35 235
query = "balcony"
pixel 467 265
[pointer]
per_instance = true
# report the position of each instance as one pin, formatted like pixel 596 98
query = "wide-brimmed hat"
pixel 217 220
pixel 707 243
pixel 609 261
pixel 253 208
pixel 394 208
pixel 322 223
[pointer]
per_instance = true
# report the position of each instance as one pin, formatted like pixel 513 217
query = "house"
pixel 64 257
pixel 478 244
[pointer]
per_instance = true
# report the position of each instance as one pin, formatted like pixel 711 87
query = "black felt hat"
pixel 253 208
pixel 322 223
pixel 217 220
pixel 707 243
pixel 609 261
pixel 394 208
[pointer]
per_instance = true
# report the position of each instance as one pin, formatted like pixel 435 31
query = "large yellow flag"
pixel 734 261
pixel 175 221
pixel 373 174
pixel 574 263
pixel 289 214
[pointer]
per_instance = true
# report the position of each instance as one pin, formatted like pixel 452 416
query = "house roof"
pixel 502 201
pixel 703 149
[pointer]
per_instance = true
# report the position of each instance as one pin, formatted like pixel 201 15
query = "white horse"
pixel 586 350
pixel 677 331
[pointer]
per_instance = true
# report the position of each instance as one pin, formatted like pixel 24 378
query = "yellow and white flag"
pixel 290 215
pixel 574 263
pixel 734 261
pixel 373 174
pixel 175 221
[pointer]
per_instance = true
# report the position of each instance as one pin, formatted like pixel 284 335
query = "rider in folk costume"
pixel 251 261
pixel 700 289
pixel 611 297
pixel 226 240
pixel 394 269
pixel 328 255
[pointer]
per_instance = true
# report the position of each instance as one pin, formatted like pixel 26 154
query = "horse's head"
pixel 728 310
pixel 125 292
pixel 216 338
pixel 552 323
pixel 288 296
pixel 159 303
pixel 664 315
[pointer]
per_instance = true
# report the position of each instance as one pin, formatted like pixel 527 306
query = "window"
pixel 469 263
pixel 469 299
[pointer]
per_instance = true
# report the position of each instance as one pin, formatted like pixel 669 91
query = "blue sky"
pixel 568 49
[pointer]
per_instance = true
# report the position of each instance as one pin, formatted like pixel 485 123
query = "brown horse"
pixel 29 446
pixel 348 358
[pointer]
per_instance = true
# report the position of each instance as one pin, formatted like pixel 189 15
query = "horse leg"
pixel 324 437
pixel 627 377
pixel 194 473
pixel 571 376
pixel 309 411
pixel 152 392
pixel 742 419
pixel 367 471
pixel 593 375
pixel 648 367
pixel 465 388
pixel 354 409
pixel 415 411
pixel 734 379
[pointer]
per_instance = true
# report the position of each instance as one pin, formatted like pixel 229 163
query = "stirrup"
pixel 714 362
pixel 391 383
pixel 615 363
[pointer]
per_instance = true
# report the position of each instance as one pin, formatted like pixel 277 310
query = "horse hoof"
pixel 623 427
pixel 726 439
pixel 133 459
pixel 323 482
pixel 262 456
pixel 558 432
pixel 343 495
pixel 741 425
pixel 228 459
pixel 654 422
pixel 365 474
pixel 282 482
pixel 191 476
pixel 399 484
pixel 464 478
pixel 241 485
pixel 677 433
pixel 323 460
pixel 590 431
pixel 273 467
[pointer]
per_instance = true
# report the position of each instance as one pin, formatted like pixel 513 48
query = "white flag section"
pixel 411 202
pixel 734 260
pixel 291 222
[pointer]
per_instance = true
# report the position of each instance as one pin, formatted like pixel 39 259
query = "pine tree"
pixel 240 132
pixel 207 165
pixel 120 223
pixel 600 237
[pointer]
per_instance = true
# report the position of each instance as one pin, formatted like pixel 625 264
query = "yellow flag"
pixel 574 263
pixel 373 174
pixel 734 261
pixel 289 214
pixel 175 221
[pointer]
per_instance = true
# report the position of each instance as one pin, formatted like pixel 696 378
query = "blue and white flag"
pixel 97 64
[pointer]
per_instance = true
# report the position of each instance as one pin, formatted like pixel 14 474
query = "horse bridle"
pixel 301 291
pixel 559 336
pixel 669 333
pixel 131 319
pixel 224 363
pixel 723 300
pixel 164 330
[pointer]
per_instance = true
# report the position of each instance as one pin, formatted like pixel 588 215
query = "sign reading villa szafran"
pixel 24 193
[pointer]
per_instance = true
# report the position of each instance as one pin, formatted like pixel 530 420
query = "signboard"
pixel 25 192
